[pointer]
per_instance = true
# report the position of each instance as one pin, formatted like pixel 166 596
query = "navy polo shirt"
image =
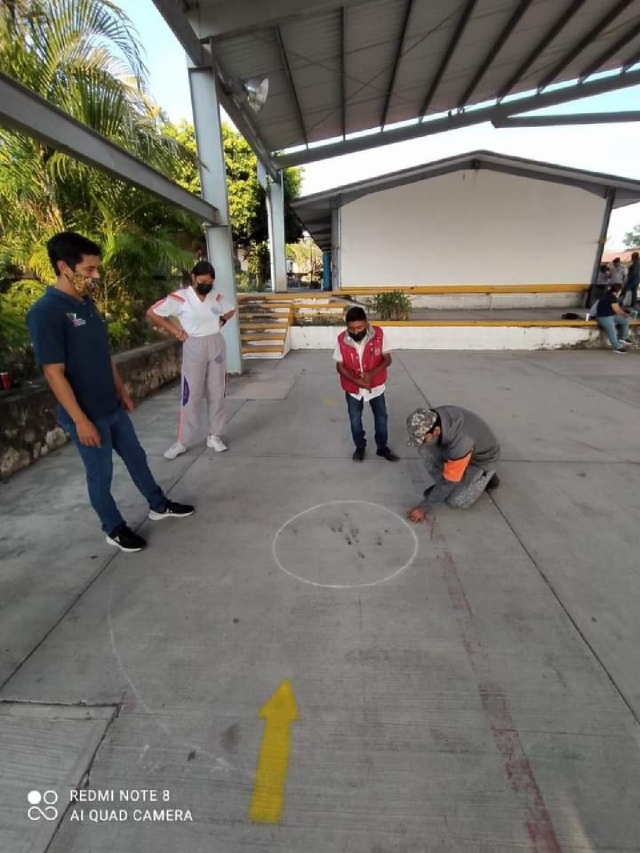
pixel 71 331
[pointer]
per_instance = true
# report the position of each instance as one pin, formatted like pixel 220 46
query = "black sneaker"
pixel 125 539
pixel 387 454
pixel 358 454
pixel 172 510
pixel 493 483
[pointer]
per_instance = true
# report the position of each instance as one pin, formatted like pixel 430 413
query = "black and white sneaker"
pixel 125 539
pixel 172 510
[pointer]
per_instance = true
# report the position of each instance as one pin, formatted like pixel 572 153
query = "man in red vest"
pixel 362 361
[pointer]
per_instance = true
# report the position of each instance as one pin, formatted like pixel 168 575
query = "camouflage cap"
pixel 419 423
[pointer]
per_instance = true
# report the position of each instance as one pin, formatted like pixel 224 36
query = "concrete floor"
pixel 473 688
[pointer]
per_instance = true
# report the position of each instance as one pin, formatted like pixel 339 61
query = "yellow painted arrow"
pixel 268 791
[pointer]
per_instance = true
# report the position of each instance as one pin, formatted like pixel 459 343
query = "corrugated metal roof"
pixel 338 68
pixel 314 211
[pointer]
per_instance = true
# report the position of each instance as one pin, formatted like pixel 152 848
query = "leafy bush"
pixel 394 305
pixel 16 354
pixel 246 283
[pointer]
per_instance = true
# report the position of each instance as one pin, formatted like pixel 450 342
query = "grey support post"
pixel 336 276
pixel 275 212
pixel 610 200
pixel 206 119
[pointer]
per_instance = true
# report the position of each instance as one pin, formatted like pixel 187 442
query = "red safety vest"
pixel 372 358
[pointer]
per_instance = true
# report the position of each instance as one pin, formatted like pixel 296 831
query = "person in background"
pixel 632 282
pixel 459 450
pixel 71 344
pixel 202 312
pixel 362 361
pixel 618 272
pixel 612 317
pixel 603 279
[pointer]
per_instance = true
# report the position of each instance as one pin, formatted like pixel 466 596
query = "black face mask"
pixel 358 336
pixel 203 289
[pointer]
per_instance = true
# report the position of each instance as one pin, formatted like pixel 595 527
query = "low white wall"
pixel 489 301
pixel 459 337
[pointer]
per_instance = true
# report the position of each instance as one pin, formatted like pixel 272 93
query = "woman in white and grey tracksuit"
pixel 202 313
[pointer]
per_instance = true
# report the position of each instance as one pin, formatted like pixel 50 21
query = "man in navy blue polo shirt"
pixel 72 346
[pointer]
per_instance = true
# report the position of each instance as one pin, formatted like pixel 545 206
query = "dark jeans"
pixel 633 290
pixel 379 409
pixel 116 433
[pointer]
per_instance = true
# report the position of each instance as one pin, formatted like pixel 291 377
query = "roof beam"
pixel 239 117
pixel 446 59
pixel 24 111
pixel 173 13
pixel 584 42
pixel 466 119
pixel 292 85
pixel 229 17
pixel 396 61
pixel 567 119
pixel 553 31
pixel 615 48
pixel 495 49
pixel 633 60
pixel 343 66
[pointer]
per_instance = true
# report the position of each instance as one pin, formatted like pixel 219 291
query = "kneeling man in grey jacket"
pixel 459 450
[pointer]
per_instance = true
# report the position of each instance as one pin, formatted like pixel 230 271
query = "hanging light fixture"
pixel 253 91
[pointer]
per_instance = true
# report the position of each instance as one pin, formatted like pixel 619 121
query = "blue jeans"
pixel 379 409
pixel 633 290
pixel 611 324
pixel 116 433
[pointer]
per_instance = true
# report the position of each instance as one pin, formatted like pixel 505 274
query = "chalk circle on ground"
pixel 345 544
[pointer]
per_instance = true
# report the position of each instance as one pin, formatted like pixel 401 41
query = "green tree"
pixel 632 238
pixel 83 56
pixel 247 204
pixel 307 257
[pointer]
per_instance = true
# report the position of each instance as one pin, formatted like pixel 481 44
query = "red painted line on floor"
pixel 517 767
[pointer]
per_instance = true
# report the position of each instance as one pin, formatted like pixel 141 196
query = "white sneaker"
pixel 175 450
pixel 216 443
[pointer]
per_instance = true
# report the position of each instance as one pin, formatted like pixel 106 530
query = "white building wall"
pixel 471 227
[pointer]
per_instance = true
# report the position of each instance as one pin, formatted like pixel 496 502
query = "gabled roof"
pixel 315 210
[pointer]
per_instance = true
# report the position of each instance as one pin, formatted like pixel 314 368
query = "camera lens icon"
pixel 42 805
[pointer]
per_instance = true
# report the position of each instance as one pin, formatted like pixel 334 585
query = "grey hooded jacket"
pixel 463 432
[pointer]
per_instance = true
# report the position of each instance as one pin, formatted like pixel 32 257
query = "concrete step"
pixel 259 312
pixel 263 336
pixel 267 324
pixel 262 348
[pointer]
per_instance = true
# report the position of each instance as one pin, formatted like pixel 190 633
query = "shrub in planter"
pixel 394 305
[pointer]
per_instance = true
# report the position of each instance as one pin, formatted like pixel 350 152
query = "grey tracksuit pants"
pixel 204 373
pixel 460 495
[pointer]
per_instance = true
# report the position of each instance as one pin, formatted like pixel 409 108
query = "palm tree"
pixel 84 57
